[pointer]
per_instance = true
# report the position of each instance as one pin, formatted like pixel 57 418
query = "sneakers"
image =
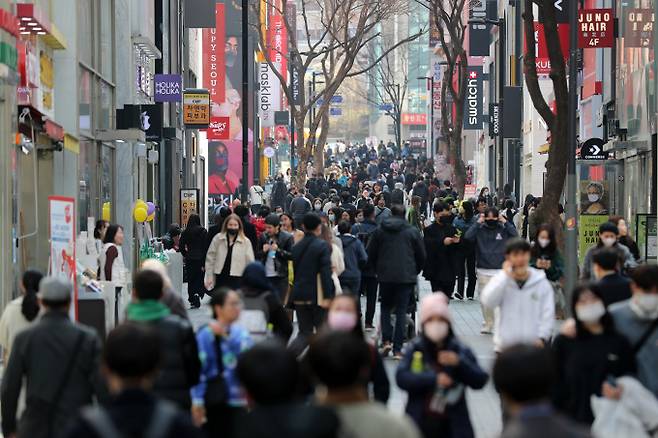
pixel 457 296
pixel 485 330
pixel 386 349
pixel 369 327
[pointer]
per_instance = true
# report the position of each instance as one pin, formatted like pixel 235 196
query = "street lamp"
pixel 500 178
pixel 431 101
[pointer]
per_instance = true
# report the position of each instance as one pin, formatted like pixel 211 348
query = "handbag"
pixel 216 389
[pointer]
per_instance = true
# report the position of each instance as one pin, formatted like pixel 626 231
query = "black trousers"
pixel 281 286
pixel 445 285
pixel 221 420
pixel 466 269
pixel 195 276
pixel 352 286
pixel 369 289
pixel 310 318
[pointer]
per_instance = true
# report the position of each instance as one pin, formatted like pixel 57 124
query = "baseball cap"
pixel 55 289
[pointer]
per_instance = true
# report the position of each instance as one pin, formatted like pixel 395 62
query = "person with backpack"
pixel 355 258
pixel 131 358
pixel 363 231
pixel 180 358
pixel 218 398
pixel 58 362
pixel 262 310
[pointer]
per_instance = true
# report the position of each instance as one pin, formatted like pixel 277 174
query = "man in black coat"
pixel 613 286
pixel 421 190
pixel 274 251
pixel 397 253
pixel 440 245
pixel 299 206
pixel 311 258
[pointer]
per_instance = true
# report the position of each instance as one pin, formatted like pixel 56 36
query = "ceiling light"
pixel 26 33
pixel 41 33
pixel 37 28
pixel 32 23
pixel 26 18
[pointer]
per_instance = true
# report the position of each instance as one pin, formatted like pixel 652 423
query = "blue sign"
pixel 388 107
pixel 335 112
pixel 337 98
pixel 168 88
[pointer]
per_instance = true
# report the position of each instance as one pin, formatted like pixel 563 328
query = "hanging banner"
pixel 278 43
pixel 542 61
pixel 269 93
pixel 638 27
pixel 473 101
pixel 214 42
pixel 595 28
pixel 61 235
pixel 479 36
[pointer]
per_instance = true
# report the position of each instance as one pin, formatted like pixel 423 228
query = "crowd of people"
pixel 320 257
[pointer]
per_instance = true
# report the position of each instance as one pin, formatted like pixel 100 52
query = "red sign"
pixel 414 119
pixel 9 22
pixel 595 28
pixel 54 131
pixel 218 128
pixel 214 73
pixel 542 60
pixel 278 41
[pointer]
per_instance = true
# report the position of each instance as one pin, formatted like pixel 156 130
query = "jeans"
pixel 395 295
pixel 369 289
pixel 351 286
pixel 310 318
pixel 466 267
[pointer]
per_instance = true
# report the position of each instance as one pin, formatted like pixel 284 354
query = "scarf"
pixel 147 310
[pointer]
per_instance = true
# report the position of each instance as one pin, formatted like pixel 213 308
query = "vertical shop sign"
pixel 479 37
pixel 196 108
pixel 473 102
pixel 595 28
pixel 638 28
pixel 542 60
pixel 61 235
pixel 268 93
pixel 214 41
pixel 189 204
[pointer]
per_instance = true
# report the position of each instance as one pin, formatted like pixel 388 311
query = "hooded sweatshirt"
pixel 396 251
pixel 490 243
pixel 523 314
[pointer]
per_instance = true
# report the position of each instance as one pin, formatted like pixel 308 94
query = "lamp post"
pixel 245 107
pixel 431 101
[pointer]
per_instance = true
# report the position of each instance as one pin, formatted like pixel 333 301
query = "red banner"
pixel 278 42
pixel 214 72
pixel 542 60
pixel 595 28
pixel 414 119
pixel 219 128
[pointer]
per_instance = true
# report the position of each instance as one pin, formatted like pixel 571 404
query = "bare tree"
pixel 447 16
pixel 336 31
pixel 558 153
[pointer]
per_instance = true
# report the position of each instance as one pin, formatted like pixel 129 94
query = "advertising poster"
pixel 225 168
pixel 61 233
pixel 646 237
pixel 474 98
pixel 189 204
pixel 594 197
pixel 588 233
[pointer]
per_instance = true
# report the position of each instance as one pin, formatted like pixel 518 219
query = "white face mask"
pixel 318 206
pixel 590 312
pixel 436 331
pixel 543 242
pixel 646 302
pixel 608 241
pixel 592 197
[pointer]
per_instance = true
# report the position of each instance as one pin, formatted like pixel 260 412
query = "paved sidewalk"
pixel 484 405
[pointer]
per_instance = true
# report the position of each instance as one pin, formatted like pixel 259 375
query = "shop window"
pixel 84 105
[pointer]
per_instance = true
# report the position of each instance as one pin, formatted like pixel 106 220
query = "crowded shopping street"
pixel 328 219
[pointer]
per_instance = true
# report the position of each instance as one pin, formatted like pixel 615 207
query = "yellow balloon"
pixel 106 213
pixel 140 214
pixel 141 204
pixel 150 217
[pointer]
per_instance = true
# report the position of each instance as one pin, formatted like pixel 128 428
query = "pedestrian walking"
pixel 193 247
pixel 589 363
pixel 58 361
pixel 625 238
pixel 275 251
pixel 276 409
pixel 299 206
pixel 414 216
pixel 179 368
pixel 343 315
pixel 340 363
pixel 249 229
pixel 525 377
pixel 355 259
pixel 288 225
pixel 381 210
pixel 613 286
pixel 546 256
pixel 465 252
pixel 397 253
pixel 171 239
pixel 171 298
pixel 262 312
pixel 363 231
pixel 489 235
pixel 131 358
pixel 313 286
pixel 228 254
pixel 523 298
pixel 436 370
pixel 608 237
pixel 218 399
pixel 20 312
pixel 441 242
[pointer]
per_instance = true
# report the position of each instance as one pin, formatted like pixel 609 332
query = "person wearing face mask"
pixel 381 210
pixel 228 255
pixel 637 320
pixel 490 235
pixel 546 256
pixel 435 370
pixel 317 205
pixel 614 287
pixel 588 363
pixel 594 203
pixel 441 241
pixel 343 316
pixel 625 238
pixel 608 235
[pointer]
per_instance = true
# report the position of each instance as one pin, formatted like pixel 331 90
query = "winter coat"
pixel 464 246
pixel 524 314
pixel 311 257
pixel 490 243
pixel 354 255
pixel 556 271
pixel 421 386
pixel 381 214
pixel 363 231
pixel 299 207
pixel 193 243
pixel 440 263
pixel 396 251
pixel 625 256
pixel 283 255
pixel 242 255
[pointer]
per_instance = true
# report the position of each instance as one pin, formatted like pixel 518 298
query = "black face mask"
pixel 491 222
pixel 232 232
pixel 445 220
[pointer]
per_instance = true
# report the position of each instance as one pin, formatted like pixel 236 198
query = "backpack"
pixel 159 426
pixel 364 236
pixel 255 316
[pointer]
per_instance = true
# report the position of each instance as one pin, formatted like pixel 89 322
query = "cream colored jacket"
pixel 243 254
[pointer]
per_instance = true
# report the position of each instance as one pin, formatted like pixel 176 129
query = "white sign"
pixel 61 234
pixel 269 152
pixel 269 95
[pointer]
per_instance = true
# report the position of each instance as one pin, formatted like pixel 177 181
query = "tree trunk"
pixel 318 153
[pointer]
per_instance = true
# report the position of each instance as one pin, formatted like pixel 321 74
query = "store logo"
pixel 168 88
pixel 473 110
pixel 144 121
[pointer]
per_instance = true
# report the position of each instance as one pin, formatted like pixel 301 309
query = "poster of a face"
pixel 225 167
pixel 594 197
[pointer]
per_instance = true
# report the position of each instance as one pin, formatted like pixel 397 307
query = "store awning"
pixel 33 21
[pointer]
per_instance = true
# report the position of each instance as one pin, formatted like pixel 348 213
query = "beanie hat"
pixel 435 304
